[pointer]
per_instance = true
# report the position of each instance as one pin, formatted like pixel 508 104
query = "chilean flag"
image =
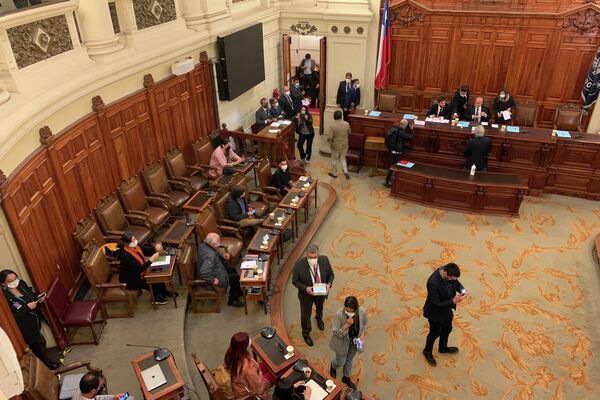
pixel 385 49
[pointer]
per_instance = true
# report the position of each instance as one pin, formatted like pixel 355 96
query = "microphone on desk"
pixel 160 353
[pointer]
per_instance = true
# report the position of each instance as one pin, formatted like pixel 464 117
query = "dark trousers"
pixel 306 304
pixel 38 347
pixel 438 329
pixel 345 113
pixel 394 158
pixel 235 290
pixel 301 140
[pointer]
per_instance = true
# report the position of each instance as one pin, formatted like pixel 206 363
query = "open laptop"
pixel 153 377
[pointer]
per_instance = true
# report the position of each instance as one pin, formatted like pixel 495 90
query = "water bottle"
pixel 473 168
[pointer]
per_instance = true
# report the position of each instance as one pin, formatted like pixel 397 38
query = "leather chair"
pixel 265 177
pixel 230 236
pixel 386 101
pixel 525 113
pixel 153 209
pixel 178 170
pixel 356 150
pixel 568 117
pixel 214 391
pixel 203 151
pixel 106 283
pixel 88 231
pixel 114 221
pixel 158 184
pixel 74 314
pixel 40 383
pixel 198 289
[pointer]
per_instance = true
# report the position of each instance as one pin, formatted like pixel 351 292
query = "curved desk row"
pixel 485 192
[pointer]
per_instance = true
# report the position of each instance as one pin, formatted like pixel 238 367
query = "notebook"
pixel 512 129
pixel 161 260
pixel 153 377
pixel 408 116
pixel 374 113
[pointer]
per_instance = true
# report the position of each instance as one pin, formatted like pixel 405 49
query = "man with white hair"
pixel 477 150
pixel 477 112
pixel 310 273
pixel 211 266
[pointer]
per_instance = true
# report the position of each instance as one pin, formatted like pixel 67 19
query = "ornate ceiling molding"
pixel 303 28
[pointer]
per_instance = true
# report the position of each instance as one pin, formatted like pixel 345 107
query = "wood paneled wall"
pixel 540 50
pixel 64 178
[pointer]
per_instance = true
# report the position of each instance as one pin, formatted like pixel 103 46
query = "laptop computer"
pixel 153 377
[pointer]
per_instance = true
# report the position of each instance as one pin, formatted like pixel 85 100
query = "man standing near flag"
pixel 385 49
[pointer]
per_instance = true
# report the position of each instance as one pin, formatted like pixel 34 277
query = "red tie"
pixel 317 275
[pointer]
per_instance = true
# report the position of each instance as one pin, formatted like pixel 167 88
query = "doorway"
pixel 295 50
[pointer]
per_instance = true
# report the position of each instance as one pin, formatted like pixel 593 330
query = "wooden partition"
pixel 540 50
pixel 64 178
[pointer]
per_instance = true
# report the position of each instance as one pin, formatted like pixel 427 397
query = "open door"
pixel 286 68
pixel 322 83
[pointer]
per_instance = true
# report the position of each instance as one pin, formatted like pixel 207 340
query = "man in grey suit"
pixel 338 140
pixel 308 271
pixel 212 267
pixel 262 115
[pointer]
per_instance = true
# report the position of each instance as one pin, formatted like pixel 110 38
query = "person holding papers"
pixel 477 150
pixel 134 262
pixel 477 112
pixel 504 106
pixel 313 276
pixel 396 139
pixel 440 110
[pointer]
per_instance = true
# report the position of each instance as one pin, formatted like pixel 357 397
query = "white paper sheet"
pixel 506 115
pixel 318 393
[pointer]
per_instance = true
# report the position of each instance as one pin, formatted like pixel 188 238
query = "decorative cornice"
pixel 45 135
pixel 406 14
pixel 303 28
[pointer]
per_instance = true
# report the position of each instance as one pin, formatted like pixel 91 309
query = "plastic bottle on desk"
pixel 473 168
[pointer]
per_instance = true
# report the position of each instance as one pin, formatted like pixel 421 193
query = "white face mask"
pixel 276 105
pixel 350 314
pixel 312 261
pixel 133 243
pixel 296 84
pixel 347 80
pixel 13 284
pixel 357 86
pixel 287 93
pixel 303 112
pixel 502 95
pixel 284 168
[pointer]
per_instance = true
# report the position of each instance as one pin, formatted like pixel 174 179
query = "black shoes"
pixel 235 303
pixel 332 175
pixel 387 184
pixel 430 359
pixel 321 324
pixel 308 340
pixel 160 300
pixel 332 371
pixel 53 365
pixel 347 175
pixel 348 382
pixel 449 350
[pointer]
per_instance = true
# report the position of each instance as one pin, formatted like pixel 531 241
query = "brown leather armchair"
pixel 43 384
pixel 114 221
pixel 88 231
pixel 178 170
pixel 203 151
pixel 106 283
pixel 198 289
pixel 175 193
pixel 265 177
pixel 525 113
pixel 230 236
pixel 386 101
pixel 152 208
pixel 568 117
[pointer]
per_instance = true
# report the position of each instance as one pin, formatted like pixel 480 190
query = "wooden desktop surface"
pixel 272 355
pixel 170 390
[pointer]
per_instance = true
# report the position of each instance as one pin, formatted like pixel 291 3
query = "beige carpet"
pixel 530 329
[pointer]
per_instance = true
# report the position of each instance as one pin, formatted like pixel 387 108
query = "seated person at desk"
pixel 504 102
pixel 459 103
pixel 477 150
pixel 282 179
pixel 247 375
pixel 223 156
pixel 276 111
pixel 477 112
pixel 440 110
pixel 286 389
pixel 212 266
pixel 238 210
pixel 91 386
pixel 133 265
pixel 262 115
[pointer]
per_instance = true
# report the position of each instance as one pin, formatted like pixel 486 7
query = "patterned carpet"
pixel 530 329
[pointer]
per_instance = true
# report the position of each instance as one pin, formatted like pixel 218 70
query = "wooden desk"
pixel 170 390
pixel 549 165
pixel 177 234
pixel 302 202
pixel 255 245
pixel 486 192
pixel 281 220
pixel 272 352
pixel 319 377
pixel 248 279
pixel 313 186
pixel 198 202
pixel 162 275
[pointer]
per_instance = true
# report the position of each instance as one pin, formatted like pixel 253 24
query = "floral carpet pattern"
pixel 529 330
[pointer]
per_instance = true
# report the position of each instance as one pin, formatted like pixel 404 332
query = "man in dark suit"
pixel 352 98
pixel 343 88
pixel 477 112
pixel 297 95
pixel 286 103
pixel 262 115
pixel 459 103
pixel 212 267
pixel 282 179
pixel 444 292
pixel 308 271
pixel 440 110
pixel 477 150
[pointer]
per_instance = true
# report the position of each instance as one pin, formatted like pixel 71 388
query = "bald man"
pixel 286 103
pixel 396 139
pixel 212 266
pixel 477 112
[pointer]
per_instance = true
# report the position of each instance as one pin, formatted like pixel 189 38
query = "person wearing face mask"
pixel 306 133
pixel 444 292
pixel 343 89
pixel 262 116
pixel 308 271
pixel 134 262
pixel 275 111
pixel 248 376
pixel 459 103
pixel 503 102
pixel 223 156
pixel 349 324
pixel 238 210
pixel 24 303
pixel 286 103
pixel 352 99
pixel 338 140
pixel 297 95
pixel 282 179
